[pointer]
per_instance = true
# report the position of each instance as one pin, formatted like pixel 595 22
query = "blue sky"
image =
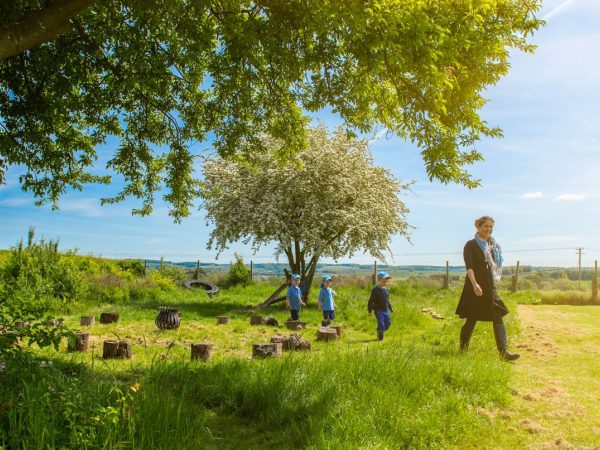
pixel 539 181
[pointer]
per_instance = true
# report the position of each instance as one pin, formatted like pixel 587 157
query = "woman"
pixel 479 299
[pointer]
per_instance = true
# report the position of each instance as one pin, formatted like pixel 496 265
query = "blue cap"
pixel 295 276
pixel 383 275
pixel 327 278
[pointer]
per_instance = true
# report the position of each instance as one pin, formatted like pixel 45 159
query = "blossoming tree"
pixel 330 200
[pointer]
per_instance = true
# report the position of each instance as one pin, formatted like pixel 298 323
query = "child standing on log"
pixel 326 302
pixel 293 297
pixel 379 301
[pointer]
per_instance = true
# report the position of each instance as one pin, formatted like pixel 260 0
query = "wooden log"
pixel 109 317
pixel 295 325
pixel 109 349
pixel 326 334
pixel 267 350
pixel 201 351
pixel 257 320
pixel 21 324
pixel 271 321
pixel 338 329
pixel 124 350
pixel 79 343
pixel 292 342
pixel 87 321
pixel 223 320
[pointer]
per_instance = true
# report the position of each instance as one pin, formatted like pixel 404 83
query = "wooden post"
pixel 374 272
pixel 515 278
pixel 145 266
pixel 251 271
pixel 161 262
pixel 201 351
pixel 579 253
pixel 197 274
pixel 295 324
pixel 223 320
pixel 595 283
pixel 447 277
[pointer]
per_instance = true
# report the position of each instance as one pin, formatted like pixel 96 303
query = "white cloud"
pixel 538 194
pixel 16 201
pixel 570 197
pixel 88 207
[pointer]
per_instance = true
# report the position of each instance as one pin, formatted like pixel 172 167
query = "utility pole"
pixel 579 253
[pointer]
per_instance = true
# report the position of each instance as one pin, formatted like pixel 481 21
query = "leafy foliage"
pixel 239 273
pixel 161 76
pixel 330 201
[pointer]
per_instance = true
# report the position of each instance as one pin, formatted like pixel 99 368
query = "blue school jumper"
pixel 379 303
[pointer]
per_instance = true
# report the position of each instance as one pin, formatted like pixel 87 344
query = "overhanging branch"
pixel 39 26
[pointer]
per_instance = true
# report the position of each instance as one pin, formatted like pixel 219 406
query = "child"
pixel 293 298
pixel 380 303
pixel 326 302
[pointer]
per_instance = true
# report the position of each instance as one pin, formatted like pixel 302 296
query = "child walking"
pixel 326 302
pixel 293 297
pixel 379 301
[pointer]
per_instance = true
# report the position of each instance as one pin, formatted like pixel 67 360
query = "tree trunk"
pixel 109 317
pixel 327 334
pixel 87 321
pixel 39 26
pixel 79 343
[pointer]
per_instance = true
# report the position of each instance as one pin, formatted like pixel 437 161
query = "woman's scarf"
pixel 493 255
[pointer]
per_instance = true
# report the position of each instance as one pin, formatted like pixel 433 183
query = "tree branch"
pixel 39 26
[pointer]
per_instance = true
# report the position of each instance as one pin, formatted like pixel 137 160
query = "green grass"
pixel 414 390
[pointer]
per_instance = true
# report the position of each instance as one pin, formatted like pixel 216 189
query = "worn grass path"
pixel 556 383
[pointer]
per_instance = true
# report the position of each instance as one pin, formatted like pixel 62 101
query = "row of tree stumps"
pixel 120 349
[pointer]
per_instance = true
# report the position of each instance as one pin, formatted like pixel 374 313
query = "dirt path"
pixel 556 385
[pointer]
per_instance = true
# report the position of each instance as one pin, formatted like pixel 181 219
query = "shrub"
pixel 134 266
pixel 239 273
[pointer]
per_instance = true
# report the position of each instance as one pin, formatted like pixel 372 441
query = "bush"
pixel 239 273
pixel 134 266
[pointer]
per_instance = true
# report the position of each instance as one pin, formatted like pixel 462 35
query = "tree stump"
pixel 326 334
pixel 79 343
pixel 117 349
pixel 257 320
pixel 295 325
pixel 266 350
pixel 292 342
pixel 223 320
pixel 338 329
pixel 87 321
pixel 124 350
pixel 201 351
pixel 272 322
pixel 109 317
pixel 21 324
pixel 109 349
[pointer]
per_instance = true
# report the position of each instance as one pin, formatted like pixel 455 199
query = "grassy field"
pixel 414 390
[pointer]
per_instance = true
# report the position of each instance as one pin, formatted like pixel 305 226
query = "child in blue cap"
pixel 379 301
pixel 326 302
pixel 293 297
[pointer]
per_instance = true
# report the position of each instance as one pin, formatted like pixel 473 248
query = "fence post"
pixel 251 271
pixel 515 279
pixel 145 266
pixel 197 274
pixel 374 272
pixel 595 283
pixel 161 262
pixel 447 278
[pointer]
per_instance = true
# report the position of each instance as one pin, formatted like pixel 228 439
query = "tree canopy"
pixel 330 200
pixel 162 75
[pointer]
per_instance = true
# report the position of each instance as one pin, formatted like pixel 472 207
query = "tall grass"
pixel 414 390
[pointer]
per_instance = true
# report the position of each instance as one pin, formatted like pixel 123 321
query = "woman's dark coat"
pixel 488 307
